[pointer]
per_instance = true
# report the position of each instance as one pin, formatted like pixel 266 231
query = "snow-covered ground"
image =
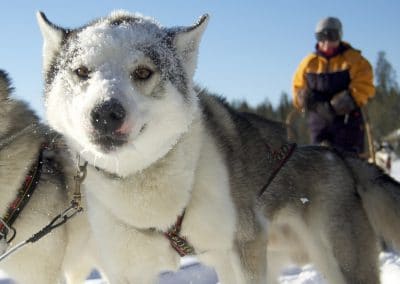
pixel 194 273
pixel 390 272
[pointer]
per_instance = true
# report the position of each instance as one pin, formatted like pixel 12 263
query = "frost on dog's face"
pixel 120 89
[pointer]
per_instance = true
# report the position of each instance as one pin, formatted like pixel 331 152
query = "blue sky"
pixel 250 49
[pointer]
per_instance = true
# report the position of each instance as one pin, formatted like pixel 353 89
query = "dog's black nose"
pixel 108 116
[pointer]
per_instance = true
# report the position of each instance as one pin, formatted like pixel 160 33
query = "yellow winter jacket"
pixel 325 77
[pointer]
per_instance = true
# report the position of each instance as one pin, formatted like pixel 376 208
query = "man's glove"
pixel 343 103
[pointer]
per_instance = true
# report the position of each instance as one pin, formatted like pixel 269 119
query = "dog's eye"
pixel 82 72
pixel 141 74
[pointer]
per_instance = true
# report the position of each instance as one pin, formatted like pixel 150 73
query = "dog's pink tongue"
pixel 124 129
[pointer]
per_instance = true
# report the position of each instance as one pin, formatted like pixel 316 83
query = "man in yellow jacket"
pixel 331 85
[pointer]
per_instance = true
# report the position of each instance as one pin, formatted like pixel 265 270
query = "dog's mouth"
pixel 109 142
pixel 114 140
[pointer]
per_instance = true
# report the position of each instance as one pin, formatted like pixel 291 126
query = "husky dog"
pixel 22 137
pixel 163 155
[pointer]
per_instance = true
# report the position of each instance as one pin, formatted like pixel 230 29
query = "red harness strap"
pixel 23 196
pixel 178 242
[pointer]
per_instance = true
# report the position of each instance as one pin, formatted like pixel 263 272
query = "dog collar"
pixel 22 198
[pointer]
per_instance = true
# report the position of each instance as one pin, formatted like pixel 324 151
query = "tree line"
pixel 382 110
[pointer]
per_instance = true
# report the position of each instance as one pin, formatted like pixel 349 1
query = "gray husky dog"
pixel 32 154
pixel 174 171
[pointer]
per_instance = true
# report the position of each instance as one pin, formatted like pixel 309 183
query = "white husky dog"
pixel 174 171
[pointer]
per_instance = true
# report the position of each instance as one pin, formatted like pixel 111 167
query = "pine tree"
pixel 385 106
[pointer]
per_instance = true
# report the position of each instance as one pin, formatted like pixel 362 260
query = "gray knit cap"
pixel 329 23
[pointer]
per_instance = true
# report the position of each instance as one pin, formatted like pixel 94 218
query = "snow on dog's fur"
pixel 120 89
pixel 112 54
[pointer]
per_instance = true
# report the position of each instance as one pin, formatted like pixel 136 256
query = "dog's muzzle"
pixel 106 119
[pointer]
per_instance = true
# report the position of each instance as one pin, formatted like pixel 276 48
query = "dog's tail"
pixel 380 196
pixel 5 85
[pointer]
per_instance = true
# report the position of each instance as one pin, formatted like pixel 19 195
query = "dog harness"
pixel 178 242
pixel 23 196
pixel 25 193
pixel 279 157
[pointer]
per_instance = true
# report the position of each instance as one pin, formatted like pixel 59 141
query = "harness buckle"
pixel 79 177
pixel 5 230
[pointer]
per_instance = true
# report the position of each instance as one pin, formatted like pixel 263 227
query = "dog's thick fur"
pixel 63 250
pixel 120 89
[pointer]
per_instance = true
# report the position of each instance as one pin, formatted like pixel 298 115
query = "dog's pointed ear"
pixel 187 42
pixel 52 37
pixel 5 86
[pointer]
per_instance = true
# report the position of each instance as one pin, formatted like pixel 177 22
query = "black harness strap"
pixel 23 196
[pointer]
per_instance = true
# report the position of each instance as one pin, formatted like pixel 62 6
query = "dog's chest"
pixel 210 219
pixel 145 200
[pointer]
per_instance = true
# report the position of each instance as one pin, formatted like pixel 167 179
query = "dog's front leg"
pixel 253 259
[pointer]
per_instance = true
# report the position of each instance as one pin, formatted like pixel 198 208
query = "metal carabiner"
pixel 79 178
